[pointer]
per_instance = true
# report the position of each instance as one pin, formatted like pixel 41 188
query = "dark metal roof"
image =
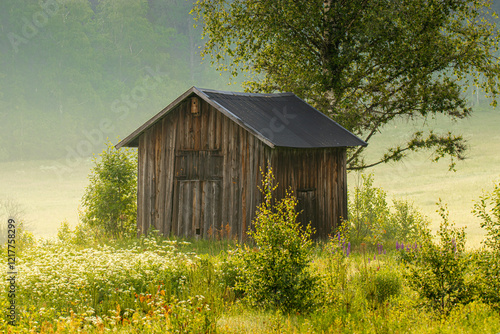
pixel 282 120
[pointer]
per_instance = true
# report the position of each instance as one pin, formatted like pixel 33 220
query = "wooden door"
pixel 197 194
pixel 307 208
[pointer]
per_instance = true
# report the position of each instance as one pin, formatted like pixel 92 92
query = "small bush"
pixel 438 271
pixel 110 201
pixel 276 272
pixel 406 222
pixel 368 212
pixel 486 275
pixel 487 261
pixel 387 284
pixel 488 209
pixel 373 221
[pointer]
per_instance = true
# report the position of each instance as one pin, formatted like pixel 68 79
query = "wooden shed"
pixel 200 161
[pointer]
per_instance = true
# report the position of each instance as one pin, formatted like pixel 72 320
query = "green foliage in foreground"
pixel 156 286
pixel 488 260
pixel 438 271
pixel 276 272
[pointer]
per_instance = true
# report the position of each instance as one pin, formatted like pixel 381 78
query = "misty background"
pixel 67 67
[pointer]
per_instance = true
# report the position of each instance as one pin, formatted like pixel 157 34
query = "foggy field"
pixel 45 197
pixel 50 197
pixel 419 180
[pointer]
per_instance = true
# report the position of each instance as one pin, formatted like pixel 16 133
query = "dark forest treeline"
pixel 73 72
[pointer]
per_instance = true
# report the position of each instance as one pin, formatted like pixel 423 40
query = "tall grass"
pixel 153 285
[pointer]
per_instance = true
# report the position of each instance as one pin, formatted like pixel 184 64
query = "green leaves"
pixel 438 270
pixel 109 203
pixel 276 273
pixel 368 213
pixel 364 63
pixel 488 209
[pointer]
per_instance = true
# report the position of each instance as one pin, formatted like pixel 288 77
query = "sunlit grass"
pixel 155 285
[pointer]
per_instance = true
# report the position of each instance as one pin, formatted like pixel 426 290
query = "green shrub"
pixel 110 200
pixel 488 209
pixel 486 264
pixel 373 221
pixel 487 261
pixel 276 272
pixel 406 222
pixel 387 284
pixel 81 235
pixel 368 212
pixel 438 271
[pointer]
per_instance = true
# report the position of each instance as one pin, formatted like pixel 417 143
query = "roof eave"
pixel 137 133
pixel 200 93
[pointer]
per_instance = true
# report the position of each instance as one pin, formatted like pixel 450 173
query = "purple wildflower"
pixel 454 243
pixel 397 245
pixel 348 248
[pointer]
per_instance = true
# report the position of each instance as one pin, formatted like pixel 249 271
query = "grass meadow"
pixel 419 180
pixel 155 285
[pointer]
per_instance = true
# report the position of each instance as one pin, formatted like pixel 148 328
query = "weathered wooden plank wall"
pixel 162 195
pixel 318 178
pixel 198 175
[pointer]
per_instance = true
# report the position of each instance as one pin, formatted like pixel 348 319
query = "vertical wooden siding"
pixel 318 177
pixel 317 173
pixel 159 193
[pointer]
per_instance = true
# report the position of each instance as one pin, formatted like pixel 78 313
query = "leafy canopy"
pixel 364 63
